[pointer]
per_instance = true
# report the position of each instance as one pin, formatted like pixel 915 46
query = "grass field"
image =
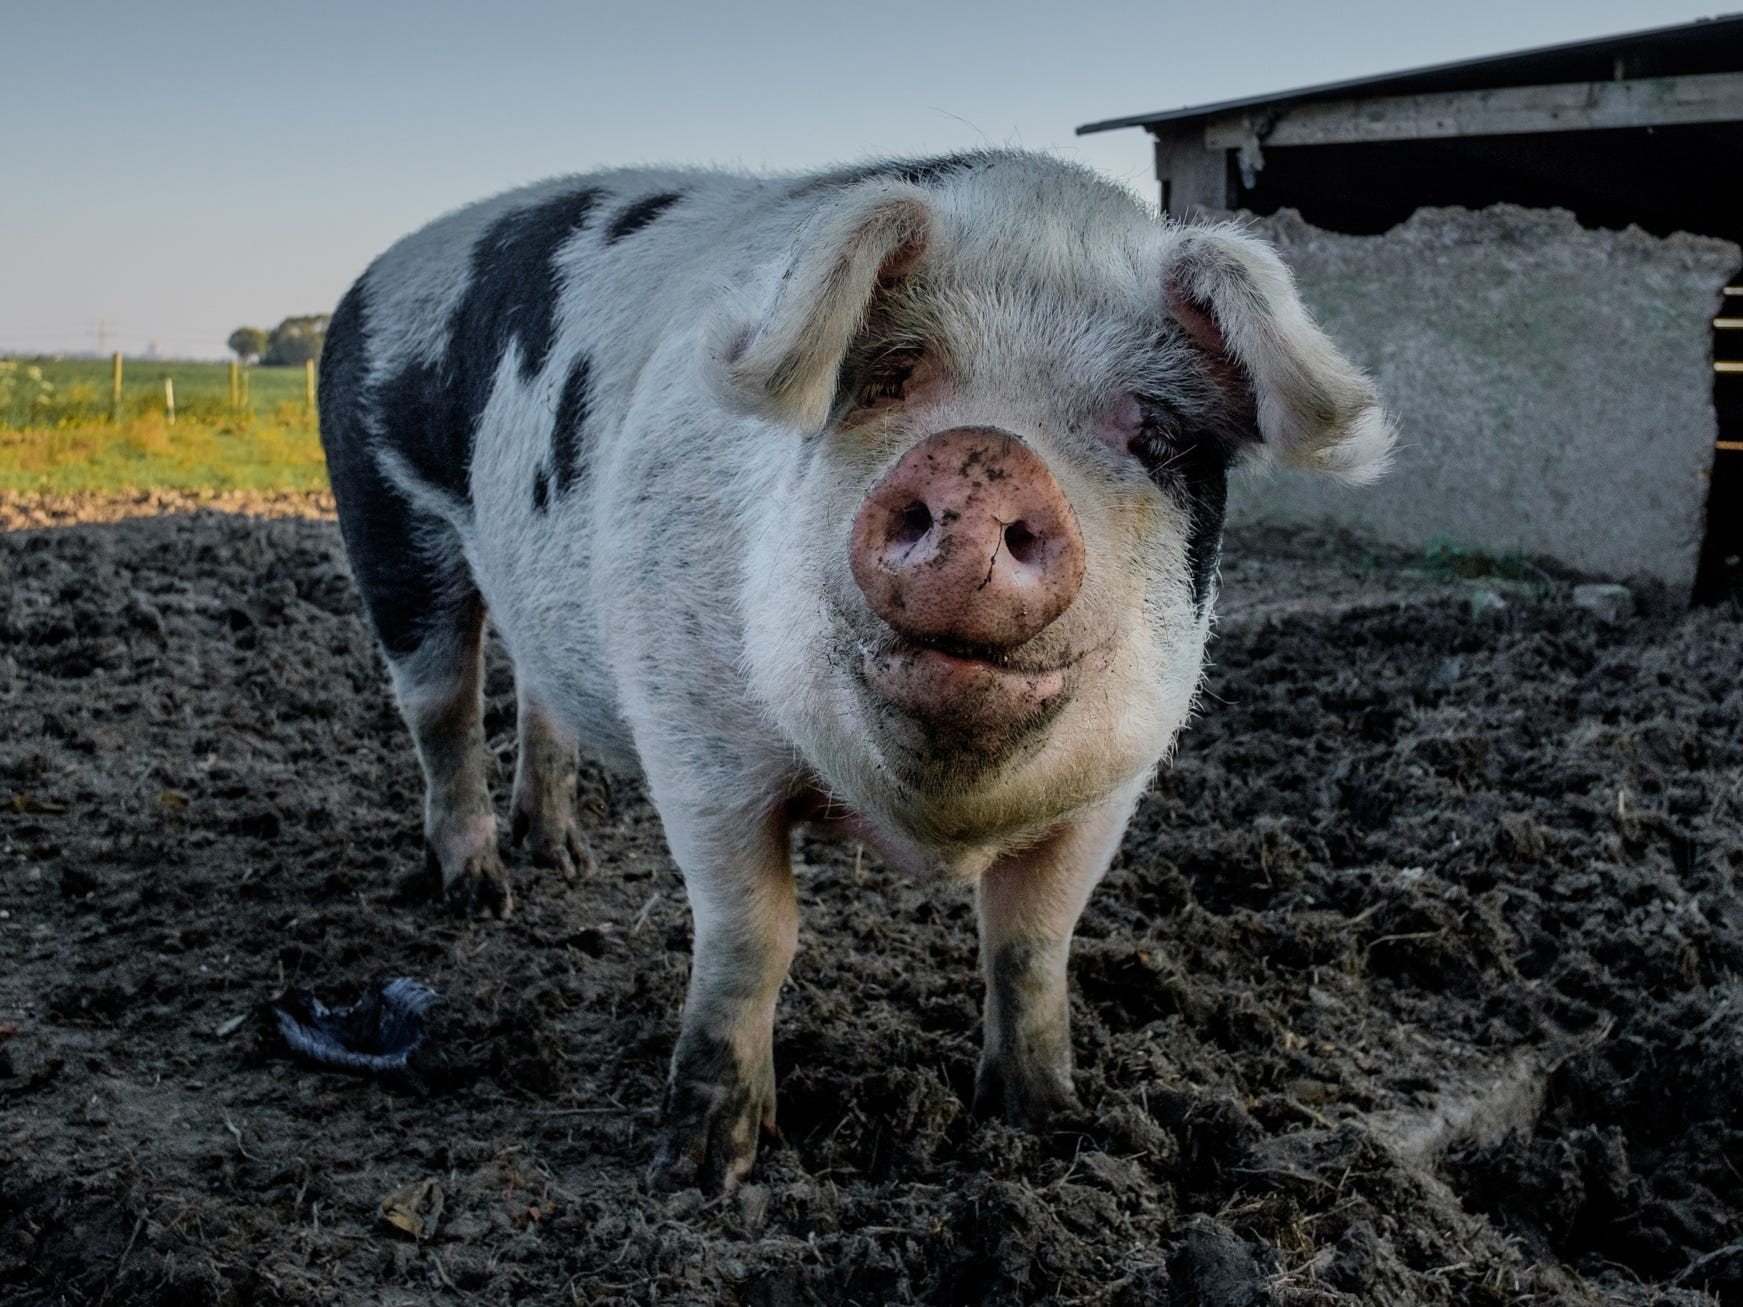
pixel 56 436
pixel 48 392
pixel 149 454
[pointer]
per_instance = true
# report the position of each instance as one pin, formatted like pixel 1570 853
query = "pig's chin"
pixel 976 702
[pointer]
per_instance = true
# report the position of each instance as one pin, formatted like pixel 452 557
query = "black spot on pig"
pixel 412 582
pixel 413 579
pixel 639 215
pixel 572 409
pixel 344 368
pixel 541 491
pixel 512 294
pixel 416 417
pixel 1193 470
pixel 428 413
pixel 412 588
pixel 1204 480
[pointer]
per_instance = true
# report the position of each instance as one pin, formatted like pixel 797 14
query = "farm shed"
pixel 1536 255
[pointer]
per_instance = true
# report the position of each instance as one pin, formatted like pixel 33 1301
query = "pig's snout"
pixel 968 539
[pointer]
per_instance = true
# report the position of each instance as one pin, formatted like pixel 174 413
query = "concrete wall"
pixel 1554 385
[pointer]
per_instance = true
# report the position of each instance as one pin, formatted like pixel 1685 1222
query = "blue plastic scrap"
pixel 377 1033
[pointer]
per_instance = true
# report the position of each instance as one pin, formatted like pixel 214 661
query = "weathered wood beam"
pixel 1504 111
pixel 1194 179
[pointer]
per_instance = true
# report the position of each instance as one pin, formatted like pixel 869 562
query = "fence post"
pixel 169 399
pixel 235 385
pixel 115 391
pixel 245 375
pixel 309 386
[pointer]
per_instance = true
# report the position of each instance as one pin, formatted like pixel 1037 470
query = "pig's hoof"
pixel 553 840
pixel 1030 1098
pixel 709 1140
pixel 710 1148
pixel 478 887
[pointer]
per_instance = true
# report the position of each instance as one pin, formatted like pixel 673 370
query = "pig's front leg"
pixel 721 1090
pixel 1029 905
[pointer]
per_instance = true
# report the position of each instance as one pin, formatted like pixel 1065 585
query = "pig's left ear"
pixel 785 362
pixel 1316 410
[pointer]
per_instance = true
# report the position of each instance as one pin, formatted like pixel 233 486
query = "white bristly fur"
pixel 679 608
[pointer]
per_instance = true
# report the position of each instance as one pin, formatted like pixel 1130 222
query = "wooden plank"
pixel 1503 111
pixel 1194 179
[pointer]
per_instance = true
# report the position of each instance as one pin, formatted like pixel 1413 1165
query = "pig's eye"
pixel 1156 440
pixel 1143 428
pixel 887 381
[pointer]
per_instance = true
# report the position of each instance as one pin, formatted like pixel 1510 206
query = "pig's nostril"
pixel 1023 543
pixel 912 524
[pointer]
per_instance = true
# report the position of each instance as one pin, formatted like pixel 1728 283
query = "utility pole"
pixel 102 337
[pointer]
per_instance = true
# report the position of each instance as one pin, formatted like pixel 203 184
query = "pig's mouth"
pixel 967 686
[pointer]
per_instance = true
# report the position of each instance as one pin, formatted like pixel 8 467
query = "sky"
pixel 173 171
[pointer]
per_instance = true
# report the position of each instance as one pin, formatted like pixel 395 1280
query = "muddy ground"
pixel 1419 979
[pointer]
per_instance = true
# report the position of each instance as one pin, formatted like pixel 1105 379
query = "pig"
pixel 888 499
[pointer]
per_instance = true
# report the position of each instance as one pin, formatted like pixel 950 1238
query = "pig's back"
pixel 519 287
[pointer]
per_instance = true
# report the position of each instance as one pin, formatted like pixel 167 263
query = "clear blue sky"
pixel 180 169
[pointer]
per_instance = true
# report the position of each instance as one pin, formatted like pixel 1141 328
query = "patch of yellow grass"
pixel 279 453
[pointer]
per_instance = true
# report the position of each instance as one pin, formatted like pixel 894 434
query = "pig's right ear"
pixel 785 361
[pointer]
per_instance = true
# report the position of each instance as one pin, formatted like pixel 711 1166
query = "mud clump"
pixel 1419 978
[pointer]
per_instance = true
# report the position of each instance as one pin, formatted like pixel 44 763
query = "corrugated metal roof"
pixel 1708 45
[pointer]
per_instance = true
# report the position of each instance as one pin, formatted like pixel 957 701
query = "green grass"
pixel 149 454
pixel 47 392
pixel 1447 560
pixel 57 436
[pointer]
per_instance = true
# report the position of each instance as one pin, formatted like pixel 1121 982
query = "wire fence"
pixel 45 392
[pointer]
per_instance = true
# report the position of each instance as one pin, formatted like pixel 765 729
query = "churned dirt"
pixel 21 511
pixel 1419 979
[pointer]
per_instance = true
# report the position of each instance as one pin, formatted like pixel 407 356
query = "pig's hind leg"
pixel 545 774
pixel 429 618
pixel 440 692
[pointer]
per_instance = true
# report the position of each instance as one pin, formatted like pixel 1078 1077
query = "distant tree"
pixel 296 340
pixel 247 343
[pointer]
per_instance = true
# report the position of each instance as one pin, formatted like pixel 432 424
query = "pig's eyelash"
pixel 1157 424
pixel 1162 439
pixel 1164 426
pixel 887 378
pixel 888 385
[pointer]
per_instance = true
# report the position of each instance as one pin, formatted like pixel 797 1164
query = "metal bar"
pixel 1728 367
